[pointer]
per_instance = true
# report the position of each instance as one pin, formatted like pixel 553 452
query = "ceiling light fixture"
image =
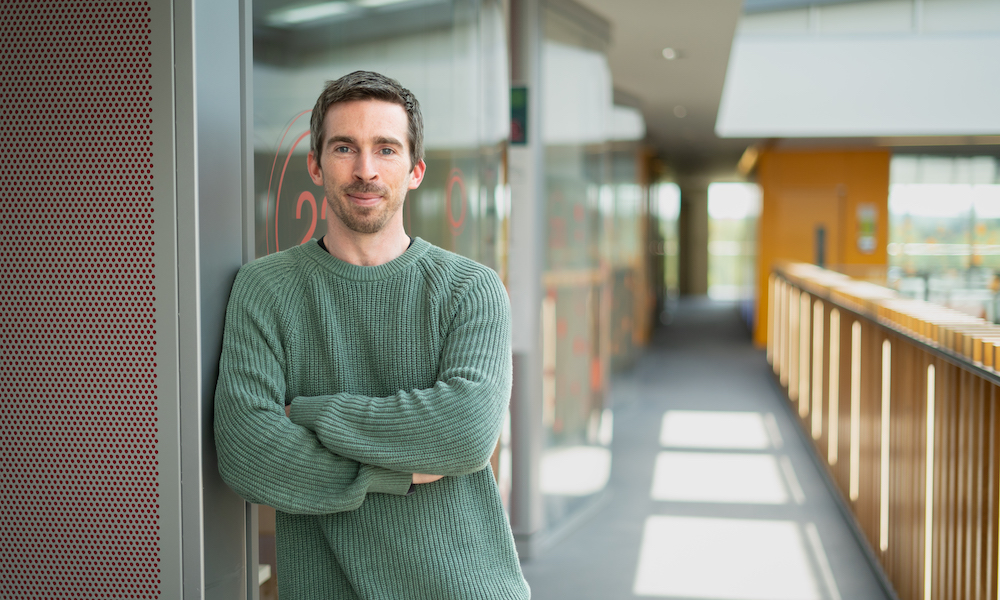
pixel 297 15
pixel 379 3
pixel 671 54
pixel 680 112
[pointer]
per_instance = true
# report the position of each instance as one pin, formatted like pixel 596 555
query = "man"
pixel 394 358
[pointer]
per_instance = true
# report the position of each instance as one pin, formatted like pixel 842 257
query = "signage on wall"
pixel 867 215
pixel 519 116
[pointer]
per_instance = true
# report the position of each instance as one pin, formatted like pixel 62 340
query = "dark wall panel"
pixel 80 506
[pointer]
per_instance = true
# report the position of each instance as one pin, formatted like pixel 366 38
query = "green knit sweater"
pixel 390 370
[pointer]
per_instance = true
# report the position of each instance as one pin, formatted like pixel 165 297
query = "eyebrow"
pixel 344 139
pixel 379 141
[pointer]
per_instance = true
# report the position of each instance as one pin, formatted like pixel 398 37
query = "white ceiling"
pixel 702 33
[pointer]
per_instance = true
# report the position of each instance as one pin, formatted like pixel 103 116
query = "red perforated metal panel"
pixel 79 506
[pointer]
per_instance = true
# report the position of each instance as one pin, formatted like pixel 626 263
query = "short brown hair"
pixel 367 85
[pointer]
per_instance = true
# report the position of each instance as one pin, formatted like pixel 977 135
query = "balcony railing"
pixel 900 398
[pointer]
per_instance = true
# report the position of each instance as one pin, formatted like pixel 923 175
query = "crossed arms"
pixel 335 449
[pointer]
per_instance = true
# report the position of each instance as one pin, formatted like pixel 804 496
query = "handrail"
pixel 902 399
pixel 958 336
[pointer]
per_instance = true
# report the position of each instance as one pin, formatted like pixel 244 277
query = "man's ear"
pixel 315 170
pixel 417 175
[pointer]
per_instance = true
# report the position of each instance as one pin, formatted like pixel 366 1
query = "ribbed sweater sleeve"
pixel 262 455
pixel 448 429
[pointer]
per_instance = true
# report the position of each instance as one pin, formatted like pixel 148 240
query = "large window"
pixel 944 220
pixel 733 210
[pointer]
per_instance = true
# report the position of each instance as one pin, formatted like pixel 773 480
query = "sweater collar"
pixel 346 270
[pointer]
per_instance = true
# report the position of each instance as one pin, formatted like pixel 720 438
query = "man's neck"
pixel 366 250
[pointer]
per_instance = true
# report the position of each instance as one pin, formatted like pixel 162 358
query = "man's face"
pixel 364 166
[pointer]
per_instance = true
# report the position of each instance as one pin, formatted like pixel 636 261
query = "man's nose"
pixel 364 167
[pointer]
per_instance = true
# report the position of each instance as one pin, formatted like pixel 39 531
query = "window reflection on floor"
pixel 725 459
pixel 712 477
pixel 714 429
pixel 725 559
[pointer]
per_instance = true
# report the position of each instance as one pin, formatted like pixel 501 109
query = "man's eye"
pixel 387 151
pixel 342 149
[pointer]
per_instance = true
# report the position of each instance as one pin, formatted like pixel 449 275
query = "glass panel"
pixel 665 208
pixel 733 209
pixel 452 55
pixel 632 296
pixel 580 202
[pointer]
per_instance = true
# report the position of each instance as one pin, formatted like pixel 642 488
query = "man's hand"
pixel 288 411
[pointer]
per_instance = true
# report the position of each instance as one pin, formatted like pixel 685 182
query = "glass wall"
pixel 944 231
pixel 632 297
pixel 665 211
pixel 577 106
pixel 452 55
pixel 733 211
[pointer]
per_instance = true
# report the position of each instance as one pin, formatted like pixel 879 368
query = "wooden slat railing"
pixel 900 398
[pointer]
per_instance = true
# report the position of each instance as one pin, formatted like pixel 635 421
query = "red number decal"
pixel 303 197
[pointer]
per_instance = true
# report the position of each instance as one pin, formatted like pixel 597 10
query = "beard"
pixel 365 219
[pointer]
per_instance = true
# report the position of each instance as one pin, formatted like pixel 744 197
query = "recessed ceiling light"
pixel 378 3
pixel 298 15
pixel 670 54
pixel 680 112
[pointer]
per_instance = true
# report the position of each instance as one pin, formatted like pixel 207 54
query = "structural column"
pixel 526 263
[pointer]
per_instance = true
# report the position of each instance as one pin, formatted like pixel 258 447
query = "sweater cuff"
pixel 306 410
pixel 385 481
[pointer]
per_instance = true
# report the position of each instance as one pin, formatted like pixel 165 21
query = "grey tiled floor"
pixel 795 545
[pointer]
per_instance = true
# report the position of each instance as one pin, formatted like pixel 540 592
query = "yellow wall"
pixel 806 189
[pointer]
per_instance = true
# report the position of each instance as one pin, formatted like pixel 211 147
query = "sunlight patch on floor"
pixel 718 477
pixel 724 559
pixel 714 429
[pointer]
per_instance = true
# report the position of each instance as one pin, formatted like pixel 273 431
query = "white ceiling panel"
pixel 871 85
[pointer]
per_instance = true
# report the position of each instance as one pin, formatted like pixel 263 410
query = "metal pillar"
pixel 526 263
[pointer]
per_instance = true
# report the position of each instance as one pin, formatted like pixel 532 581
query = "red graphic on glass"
pixel 318 212
pixel 455 178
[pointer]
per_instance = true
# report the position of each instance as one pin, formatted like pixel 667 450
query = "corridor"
pixel 713 492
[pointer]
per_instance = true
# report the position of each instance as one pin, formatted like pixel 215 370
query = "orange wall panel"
pixel 846 192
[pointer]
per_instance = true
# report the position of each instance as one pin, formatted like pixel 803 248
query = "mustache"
pixel 363 187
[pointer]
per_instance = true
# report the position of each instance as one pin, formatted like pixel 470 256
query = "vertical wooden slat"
pixel 818 351
pixel 805 345
pixel 979 490
pixel 771 289
pixel 793 344
pixel 912 492
pixel 961 483
pixel 885 446
pixel 783 333
pixel 835 336
pixel 961 462
pixel 946 483
pixel 932 537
